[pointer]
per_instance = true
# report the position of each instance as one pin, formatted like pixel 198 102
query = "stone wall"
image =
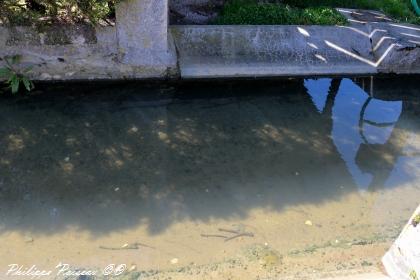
pixel 142 46
pixel 137 47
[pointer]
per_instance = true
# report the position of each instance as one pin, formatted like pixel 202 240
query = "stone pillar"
pixel 142 33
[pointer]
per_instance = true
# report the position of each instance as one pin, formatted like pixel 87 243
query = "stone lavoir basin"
pixel 276 179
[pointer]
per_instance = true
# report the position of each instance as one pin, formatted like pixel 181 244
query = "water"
pixel 319 175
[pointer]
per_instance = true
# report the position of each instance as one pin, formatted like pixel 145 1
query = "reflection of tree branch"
pixel 380 159
pixel 332 92
pixel 361 117
pixel 385 124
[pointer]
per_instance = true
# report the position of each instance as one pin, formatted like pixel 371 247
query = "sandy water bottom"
pixel 291 180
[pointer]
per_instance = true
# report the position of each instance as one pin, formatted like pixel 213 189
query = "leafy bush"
pixel 250 12
pixel 399 9
pixel 308 11
pixel 22 12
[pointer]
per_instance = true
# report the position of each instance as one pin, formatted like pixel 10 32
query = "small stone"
pixel 174 261
pixel 69 74
pixel 163 136
pixel 45 76
pixel 66 159
pixel 308 223
pixel 117 189
pixel 133 267
pixel 29 239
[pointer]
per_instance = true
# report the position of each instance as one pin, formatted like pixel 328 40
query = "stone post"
pixel 142 33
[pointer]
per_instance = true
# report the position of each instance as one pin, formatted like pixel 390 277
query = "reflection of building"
pixel 362 131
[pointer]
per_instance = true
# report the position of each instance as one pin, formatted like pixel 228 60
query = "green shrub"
pixel 23 12
pixel 399 9
pixel 309 11
pixel 249 12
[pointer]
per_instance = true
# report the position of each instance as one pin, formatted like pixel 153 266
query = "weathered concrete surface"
pixel 142 32
pixel 402 261
pixel 241 51
pixel 402 42
pixel 138 47
pixel 141 47
pixel 396 47
pixel 84 55
pixel 370 44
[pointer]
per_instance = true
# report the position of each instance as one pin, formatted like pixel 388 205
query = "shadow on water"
pixel 113 157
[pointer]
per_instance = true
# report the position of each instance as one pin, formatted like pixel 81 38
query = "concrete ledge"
pixel 255 51
pixel 207 69
pixel 138 47
pixel 81 56
pixel 107 53
pixel 238 51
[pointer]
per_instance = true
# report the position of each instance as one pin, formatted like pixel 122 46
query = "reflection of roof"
pixel 380 111
pixel 378 119
pixel 362 127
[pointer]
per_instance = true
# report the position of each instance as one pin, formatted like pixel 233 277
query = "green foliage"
pixel 413 275
pixel 13 77
pixel 26 12
pixel 320 12
pixel 416 220
pixel 399 9
pixel 250 12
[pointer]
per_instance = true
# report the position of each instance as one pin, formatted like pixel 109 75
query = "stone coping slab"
pixel 264 51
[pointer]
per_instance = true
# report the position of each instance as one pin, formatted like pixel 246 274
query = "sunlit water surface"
pixel 237 180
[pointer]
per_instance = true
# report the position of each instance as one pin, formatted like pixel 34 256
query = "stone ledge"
pixel 94 56
pixel 254 51
pixel 218 52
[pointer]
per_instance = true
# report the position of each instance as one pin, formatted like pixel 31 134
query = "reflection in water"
pixel 318 90
pixel 167 165
pixel 361 124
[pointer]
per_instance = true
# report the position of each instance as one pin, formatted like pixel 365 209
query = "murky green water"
pixel 310 178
